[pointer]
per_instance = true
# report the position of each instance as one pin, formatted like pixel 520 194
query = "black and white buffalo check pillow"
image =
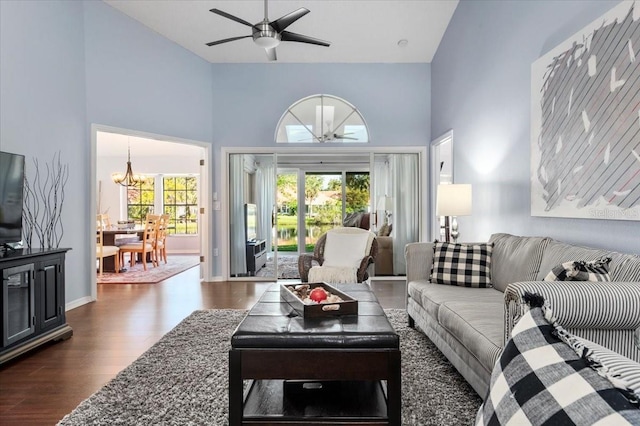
pixel 546 376
pixel 467 265
pixel 579 270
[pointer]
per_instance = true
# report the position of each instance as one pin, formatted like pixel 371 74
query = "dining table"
pixel 109 239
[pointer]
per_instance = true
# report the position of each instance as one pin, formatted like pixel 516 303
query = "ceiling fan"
pixel 331 136
pixel 269 34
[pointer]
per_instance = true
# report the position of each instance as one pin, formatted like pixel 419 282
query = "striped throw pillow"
pixel 596 270
pixel 465 265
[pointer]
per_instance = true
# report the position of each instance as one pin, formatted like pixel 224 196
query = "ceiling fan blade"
pixel 229 16
pixel 271 54
pixel 226 40
pixel 282 23
pixel 289 36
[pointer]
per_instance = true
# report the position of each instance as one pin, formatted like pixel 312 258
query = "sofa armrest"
pixel 419 258
pixel 578 304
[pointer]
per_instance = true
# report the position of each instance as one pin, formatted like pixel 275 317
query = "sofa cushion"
pixel 431 296
pixel 467 265
pixel 544 376
pixel 627 268
pixel 479 327
pixel 558 252
pixel 595 270
pixel 515 259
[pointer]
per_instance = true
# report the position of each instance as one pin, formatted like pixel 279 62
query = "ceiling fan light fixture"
pixel 266 42
pixel 266 36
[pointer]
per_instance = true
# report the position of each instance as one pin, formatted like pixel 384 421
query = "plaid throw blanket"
pixel 546 376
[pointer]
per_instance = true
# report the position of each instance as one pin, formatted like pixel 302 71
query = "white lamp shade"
pixel 453 200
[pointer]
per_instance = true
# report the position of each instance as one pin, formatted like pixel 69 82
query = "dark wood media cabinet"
pixel 32 300
pixel 256 256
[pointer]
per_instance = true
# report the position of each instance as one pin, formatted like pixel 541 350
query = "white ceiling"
pixel 359 31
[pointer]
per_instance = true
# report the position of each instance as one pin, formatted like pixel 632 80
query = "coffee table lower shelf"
pixel 280 402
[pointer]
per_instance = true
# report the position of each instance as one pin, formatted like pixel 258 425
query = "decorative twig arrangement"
pixel 43 200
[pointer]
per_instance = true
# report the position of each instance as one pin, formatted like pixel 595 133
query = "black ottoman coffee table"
pixel 336 370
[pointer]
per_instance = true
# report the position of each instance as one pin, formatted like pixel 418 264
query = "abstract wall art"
pixel 585 122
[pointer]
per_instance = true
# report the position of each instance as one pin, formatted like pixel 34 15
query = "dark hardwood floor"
pixel 42 386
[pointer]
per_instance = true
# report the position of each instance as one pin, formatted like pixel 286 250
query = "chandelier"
pixel 129 178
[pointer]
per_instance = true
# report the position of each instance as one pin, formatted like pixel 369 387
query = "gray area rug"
pixel 182 380
pixel 287 267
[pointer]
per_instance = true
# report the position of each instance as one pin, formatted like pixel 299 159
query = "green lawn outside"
pixel 294 247
pixel 287 220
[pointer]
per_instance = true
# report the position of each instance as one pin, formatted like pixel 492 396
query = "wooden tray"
pixel 318 310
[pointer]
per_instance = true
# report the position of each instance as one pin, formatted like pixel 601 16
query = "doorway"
pixel 314 201
pixel 314 189
pixel 177 188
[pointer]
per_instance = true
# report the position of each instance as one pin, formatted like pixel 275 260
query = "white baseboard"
pixel 215 279
pixel 197 252
pixel 78 302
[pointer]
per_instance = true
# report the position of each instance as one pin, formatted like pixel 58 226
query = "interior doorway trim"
pixel 337 151
pixel 436 147
pixel 206 180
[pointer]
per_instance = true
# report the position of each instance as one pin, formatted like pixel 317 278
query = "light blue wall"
pixel 249 99
pixel 68 64
pixel 481 79
pixel 42 109
pixel 139 80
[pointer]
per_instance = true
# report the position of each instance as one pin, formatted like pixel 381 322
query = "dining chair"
pixel 103 251
pixel 146 245
pixel 161 239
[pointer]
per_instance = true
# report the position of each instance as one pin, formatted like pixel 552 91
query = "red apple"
pixel 318 294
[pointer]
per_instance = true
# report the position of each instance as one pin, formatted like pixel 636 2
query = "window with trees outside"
pixel 177 197
pixel 180 202
pixel 323 209
pixel 140 201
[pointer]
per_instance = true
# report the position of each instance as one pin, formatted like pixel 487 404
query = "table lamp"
pixel 453 200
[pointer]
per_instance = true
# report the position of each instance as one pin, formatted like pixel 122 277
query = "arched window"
pixel 322 118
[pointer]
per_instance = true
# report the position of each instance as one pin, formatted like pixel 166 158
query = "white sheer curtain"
pixel 238 241
pixel 265 198
pixel 404 190
pixel 381 185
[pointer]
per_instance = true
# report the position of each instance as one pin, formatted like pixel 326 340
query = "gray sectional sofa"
pixel 471 325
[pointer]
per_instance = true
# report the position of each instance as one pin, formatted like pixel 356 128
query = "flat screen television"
pixel 11 197
pixel 251 222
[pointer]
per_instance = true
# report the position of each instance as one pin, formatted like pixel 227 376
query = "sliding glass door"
pixel 315 201
pixel 287 211
pixel 279 204
pixel 323 205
